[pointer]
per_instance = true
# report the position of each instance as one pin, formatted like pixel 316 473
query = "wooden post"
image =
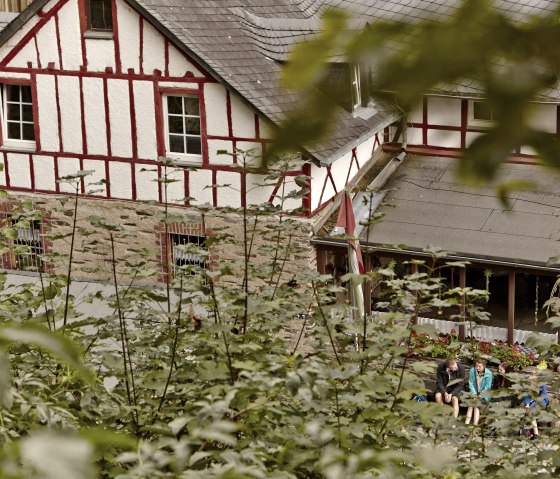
pixel 367 285
pixel 321 260
pixel 414 270
pixel 463 284
pixel 511 307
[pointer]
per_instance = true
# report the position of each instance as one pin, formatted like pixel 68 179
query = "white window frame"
pixel 356 86
pixel 14 142
pixel 478 121
pixel 187 159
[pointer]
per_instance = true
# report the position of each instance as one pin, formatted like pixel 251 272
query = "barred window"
pixel 187 250
pixel 25 249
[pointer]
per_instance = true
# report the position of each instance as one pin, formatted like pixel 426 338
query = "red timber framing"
pixel 160 80
pixel 463 129
pixel 354 162
pixel 324 251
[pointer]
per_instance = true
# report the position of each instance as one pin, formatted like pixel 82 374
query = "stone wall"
pixel 139 232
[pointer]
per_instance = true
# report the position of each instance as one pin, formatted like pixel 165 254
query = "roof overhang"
pixel 425 205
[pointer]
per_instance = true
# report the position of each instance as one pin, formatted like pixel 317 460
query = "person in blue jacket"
pixel 480 381
pixel 533 406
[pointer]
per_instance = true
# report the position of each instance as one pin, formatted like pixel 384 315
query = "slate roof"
pixel 426 205
pixel 222 35
pixel 240 42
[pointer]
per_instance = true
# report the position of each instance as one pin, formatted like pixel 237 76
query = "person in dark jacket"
pixel 450 377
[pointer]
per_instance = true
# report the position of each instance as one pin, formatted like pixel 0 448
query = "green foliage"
pixel 197 380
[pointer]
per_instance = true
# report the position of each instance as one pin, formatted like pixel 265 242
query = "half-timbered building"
pixel 113 86
pixel 512 250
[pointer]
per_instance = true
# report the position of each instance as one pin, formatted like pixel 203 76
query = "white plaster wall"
pixel 365 149
pixel 242 118
pixel 145 119
pixel 70 114
pixel 285 189
pixel 49 5
pixel 70 40
pixel 20 172
pixel 266 128
pixel 444 138
pixel 318 175
pixel 48 116
pixel 154 50
pixel 527 150
pixel 120 175
pixel 94 116
pixel 176 186
pixel 26 76
pixel 68 167
pixel 354 169
pixel 329 191
pixel 229 195
pixel 178 84
pixel 146 183
pixel 413 136
pixel 27 54
pixel 543 117
pixel 119 118
pixel 100 53
pixel 18 36
pixel 43 167
pixel 97 174
pixel 470 136
pixel 339 172
pixel 216 110
pixel 216 145
pixel 179 65
pixel 46 41
pixel 129 36
pixel 258 190
pixel 444 111
pixel 254 152
pixel 416 114
pixel 198 180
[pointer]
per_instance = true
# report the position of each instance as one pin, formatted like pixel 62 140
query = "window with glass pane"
pixel 99 15
pixel 183 125
pixel 18 113
pixel 482 111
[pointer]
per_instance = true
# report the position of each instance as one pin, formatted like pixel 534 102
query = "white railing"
pixel 479 331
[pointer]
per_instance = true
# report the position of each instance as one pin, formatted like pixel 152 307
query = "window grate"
pixel 186 251
pixel 25 249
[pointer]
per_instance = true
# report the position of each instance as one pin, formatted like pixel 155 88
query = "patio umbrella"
pixel 347 221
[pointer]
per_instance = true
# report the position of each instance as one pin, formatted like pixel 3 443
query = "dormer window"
pixel 343 83
pixel 356 87
pixel 99 15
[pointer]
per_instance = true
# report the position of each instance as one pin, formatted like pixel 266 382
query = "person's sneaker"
pixel 534 437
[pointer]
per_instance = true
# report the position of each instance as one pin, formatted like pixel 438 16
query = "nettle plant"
pixel 196 378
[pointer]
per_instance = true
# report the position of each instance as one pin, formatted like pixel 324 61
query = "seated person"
pixel 533 406
pixel 450 376
pixel 502 384
pixel 480 380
